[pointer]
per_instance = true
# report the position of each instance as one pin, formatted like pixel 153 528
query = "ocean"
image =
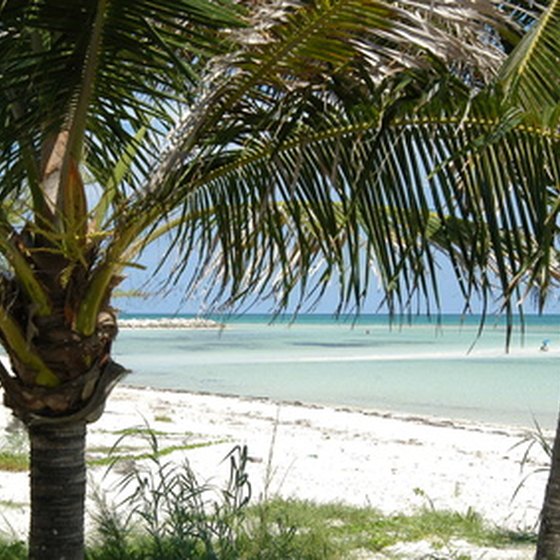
pixel 421 366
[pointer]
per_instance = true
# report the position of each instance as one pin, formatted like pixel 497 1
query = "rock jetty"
pixel 170 323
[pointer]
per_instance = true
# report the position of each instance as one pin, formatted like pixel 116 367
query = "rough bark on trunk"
pixel 58 486
pixel 548 544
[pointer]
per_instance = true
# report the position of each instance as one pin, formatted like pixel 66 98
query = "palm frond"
pixel 100 74
pixel 302 46
pixel 475 178
pixel 340 135
pixel 16 340
pixel 532 72
pixel 14 251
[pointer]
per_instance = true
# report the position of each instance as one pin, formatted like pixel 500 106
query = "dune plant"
pixel 280 147
pixel 166 513
pixel 145 523
pixel 14 448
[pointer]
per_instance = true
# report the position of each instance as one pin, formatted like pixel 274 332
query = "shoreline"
pixel 433 420
pixel 319 453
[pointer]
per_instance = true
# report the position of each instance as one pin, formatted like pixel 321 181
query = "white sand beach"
pixel 321 453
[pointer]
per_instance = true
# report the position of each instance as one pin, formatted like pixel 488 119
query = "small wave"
pixel 494 354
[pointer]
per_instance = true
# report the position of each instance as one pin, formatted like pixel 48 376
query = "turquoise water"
pixel 420 367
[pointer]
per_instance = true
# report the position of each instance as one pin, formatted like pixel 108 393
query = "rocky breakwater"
pixel 170 323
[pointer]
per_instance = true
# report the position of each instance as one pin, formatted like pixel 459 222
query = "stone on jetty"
pixel 170 323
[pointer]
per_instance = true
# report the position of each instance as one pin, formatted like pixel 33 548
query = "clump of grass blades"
pixel 13 461
pixel 533 440
pixel 167 514
pixel 342 529
pixel 14 448
pixel 277 530
pixel 13 551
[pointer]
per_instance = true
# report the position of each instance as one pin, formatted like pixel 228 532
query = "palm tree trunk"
pixel 58 486
pixel 548 543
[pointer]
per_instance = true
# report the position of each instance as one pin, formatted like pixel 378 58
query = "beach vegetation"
pixel 162 418
pixel 167 513
pixel 13 550
pixel 110 458
pixel 282 530
pixel 366 528
pixel 16 459
pixel 146 433
pixel 144 443
pixel 10 504
pixel 14 448
pixel 302 530
pixel 279 148
pixel 13 461
pixel 533 439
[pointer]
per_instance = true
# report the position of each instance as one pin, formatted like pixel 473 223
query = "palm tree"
pixel 277 144
pixel 531 79
pixel 500 172
pixel 499 176
pixel 494 177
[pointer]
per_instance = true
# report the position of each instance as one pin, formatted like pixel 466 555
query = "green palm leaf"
pixel 258 97
pixel 305 149
pixel 532 72
pixel 411 175
pixel 283 147
pixel 100 74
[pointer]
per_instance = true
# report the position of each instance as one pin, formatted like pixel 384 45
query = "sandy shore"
pixel 321 453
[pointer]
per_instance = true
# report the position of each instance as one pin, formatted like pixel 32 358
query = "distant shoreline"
pixel 170 323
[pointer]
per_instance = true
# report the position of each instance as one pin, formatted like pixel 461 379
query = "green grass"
pixel 112 458
pixel 13 461
pixel 346 528
pixel 147 432
pixel 10 504
pixel 299 530
pixel 14 448
pixel 167 514
pixel 163 418
pixel 13 551
pixel 17 460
